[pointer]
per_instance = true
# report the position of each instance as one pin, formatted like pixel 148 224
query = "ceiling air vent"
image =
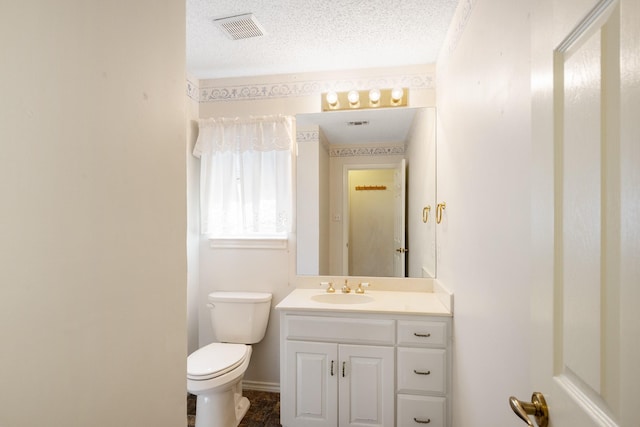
pixel 240 26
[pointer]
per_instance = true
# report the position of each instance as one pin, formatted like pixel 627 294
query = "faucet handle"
pixel 329 286
pixel 361 287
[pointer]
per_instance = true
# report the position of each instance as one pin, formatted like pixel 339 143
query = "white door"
pixel 586 210
pixel 311 383
pixel 366 386
pixel 399 218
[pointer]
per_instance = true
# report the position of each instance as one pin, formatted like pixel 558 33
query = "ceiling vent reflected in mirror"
pixel 239 27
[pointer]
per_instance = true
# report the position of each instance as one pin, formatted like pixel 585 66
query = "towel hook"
pixel 425 213
pixel 439 209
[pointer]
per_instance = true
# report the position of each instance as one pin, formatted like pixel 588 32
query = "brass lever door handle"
pixel 537 407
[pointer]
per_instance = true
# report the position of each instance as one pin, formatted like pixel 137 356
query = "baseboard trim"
pixel 261 386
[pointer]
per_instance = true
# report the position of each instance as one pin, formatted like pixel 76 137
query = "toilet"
pixel 215 371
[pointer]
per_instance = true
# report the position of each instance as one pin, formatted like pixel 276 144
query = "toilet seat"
pixel 215 359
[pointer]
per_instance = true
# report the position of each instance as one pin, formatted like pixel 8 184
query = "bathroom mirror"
pixel 366 193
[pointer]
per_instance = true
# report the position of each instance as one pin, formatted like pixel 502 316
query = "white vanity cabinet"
pixel 327 380
pixel 423 373
pixel 364 369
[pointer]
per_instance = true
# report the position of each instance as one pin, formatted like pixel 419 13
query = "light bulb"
pixel 396 94
pixel 374 96
pixel 332 98
pixel 353 97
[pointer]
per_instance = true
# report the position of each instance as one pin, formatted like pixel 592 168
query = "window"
pixel 245 177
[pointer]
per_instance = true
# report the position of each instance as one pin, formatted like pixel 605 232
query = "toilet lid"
pixel 215 359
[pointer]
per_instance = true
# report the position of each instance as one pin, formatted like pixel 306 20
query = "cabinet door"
pixel 366 386
pixel 309 396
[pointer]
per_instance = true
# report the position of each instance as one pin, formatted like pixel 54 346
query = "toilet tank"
pixel 239 317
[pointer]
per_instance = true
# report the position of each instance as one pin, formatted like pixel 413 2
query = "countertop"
pixel 384 302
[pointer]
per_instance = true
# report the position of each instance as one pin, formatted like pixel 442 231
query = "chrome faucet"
pixel 346 289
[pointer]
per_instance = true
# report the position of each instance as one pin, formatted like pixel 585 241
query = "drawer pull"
pixel 427 421
pixel 427 335
pixel 343 367
pixel 332 362
pixel 422 372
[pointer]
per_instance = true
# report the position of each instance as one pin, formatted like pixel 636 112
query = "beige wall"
pixel 93 218
pixel 193 218
pixel 484 242
pixel 273 270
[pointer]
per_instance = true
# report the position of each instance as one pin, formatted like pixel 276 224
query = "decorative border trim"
pixel 374 150
pixel 192 90
pixel 395 150
pixel 307 88
pixel 459 23
pixel 308 136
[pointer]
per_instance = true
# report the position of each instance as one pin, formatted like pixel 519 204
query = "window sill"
pixel 265 242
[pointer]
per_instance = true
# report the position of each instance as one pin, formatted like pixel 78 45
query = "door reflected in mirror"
pixel 364 179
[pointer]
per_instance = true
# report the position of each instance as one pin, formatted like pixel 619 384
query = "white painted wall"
pixel 272 270
pixel 484 242
pixel 93 218
pixel 307 190
pixel 421 192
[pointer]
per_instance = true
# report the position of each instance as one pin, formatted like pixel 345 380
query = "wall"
pixel 193 220
pixel 273 270
pixel 421 236
pixel 93 218
pixel 484 168
pixel 308 179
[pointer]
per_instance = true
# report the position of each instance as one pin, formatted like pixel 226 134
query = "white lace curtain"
pixel 245 176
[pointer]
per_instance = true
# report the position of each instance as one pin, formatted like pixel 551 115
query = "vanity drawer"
pixel 422 333
pixel 421 370
pixel 416 411
pixel 340 329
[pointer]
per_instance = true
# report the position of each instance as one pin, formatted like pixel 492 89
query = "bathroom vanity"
pixel 381 358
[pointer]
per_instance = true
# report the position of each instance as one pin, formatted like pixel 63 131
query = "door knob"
pixel 537 407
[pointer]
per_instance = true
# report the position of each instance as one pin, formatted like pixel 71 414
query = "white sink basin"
pixel 342 298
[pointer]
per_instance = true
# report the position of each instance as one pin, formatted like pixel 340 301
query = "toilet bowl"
pixel 215 371
pixel 214 375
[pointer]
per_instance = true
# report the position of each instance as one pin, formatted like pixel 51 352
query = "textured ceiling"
pixel 316 35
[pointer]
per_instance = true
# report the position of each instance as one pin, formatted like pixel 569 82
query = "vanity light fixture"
pixel 396 95
pixel 374 96
pixel 363 99
pixel 354 97
pixel 332 99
